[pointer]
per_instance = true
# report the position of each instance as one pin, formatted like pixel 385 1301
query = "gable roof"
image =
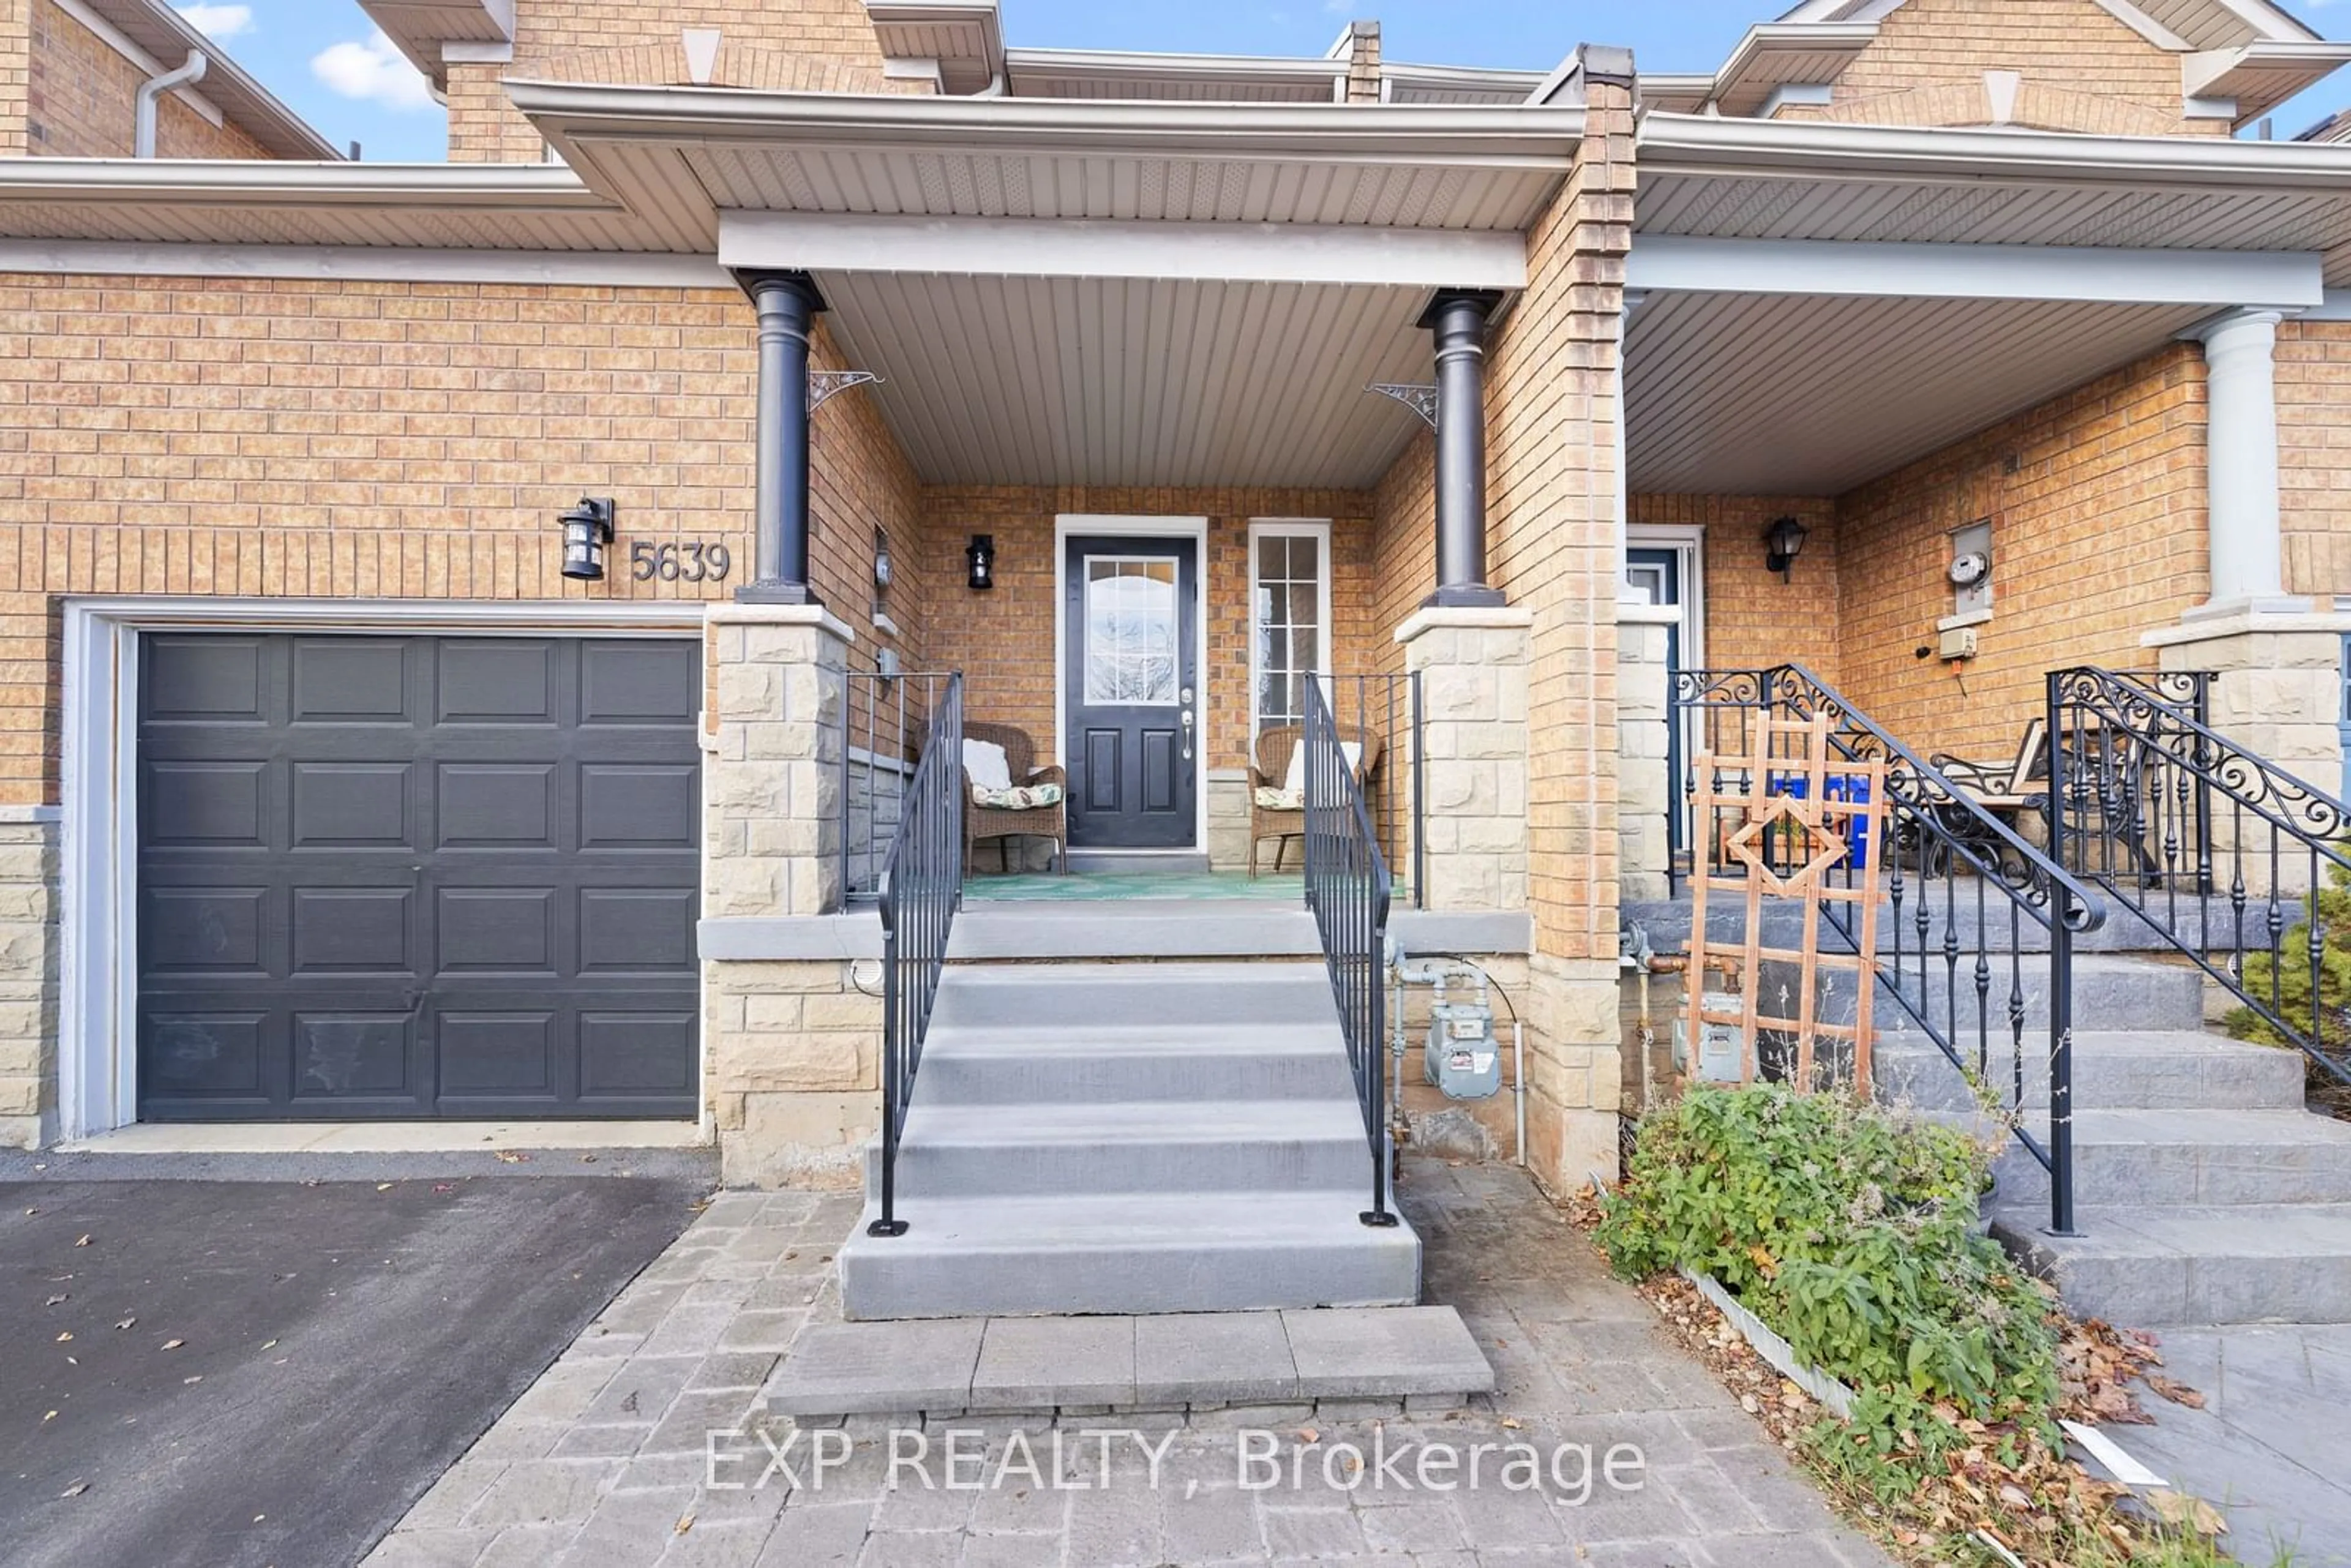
pixel 166 37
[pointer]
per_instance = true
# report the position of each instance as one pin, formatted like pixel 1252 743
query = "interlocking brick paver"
pixel 1581 1366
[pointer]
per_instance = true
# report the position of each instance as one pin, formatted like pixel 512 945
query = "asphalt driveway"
pixel 248 1372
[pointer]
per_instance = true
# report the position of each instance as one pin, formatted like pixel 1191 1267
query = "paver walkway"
pixel 606 1462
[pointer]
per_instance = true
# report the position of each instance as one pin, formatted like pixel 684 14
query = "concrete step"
pixel 2198 1157
pixel 1101 1060
pixel 1268 1148
pixel 2111 995
pixel 2167 1071
pixel 2159 1266
pixel 1087 1252
pixel 1191 1361
pixel 1047 997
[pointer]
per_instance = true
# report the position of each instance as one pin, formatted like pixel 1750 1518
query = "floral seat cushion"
pixel 1273 800
pixel 1016 798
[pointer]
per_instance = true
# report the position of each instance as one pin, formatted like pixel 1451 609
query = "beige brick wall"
pixel 261 439
pixel 15 73
pixel 2097 538
pixel 2082 69
pixel 81 100
pixel 2313 393
pixel 552 37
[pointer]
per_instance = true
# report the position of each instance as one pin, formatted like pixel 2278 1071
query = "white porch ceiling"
pixel 1814 395
pixel 1042 381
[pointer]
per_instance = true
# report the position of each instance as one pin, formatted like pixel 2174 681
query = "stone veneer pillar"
pixel 790 1047
pixel 28 975
pixel 1646 789
pixel 1472 663
pixel 2277 691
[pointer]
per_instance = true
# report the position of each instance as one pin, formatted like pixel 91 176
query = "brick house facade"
pixel 308 398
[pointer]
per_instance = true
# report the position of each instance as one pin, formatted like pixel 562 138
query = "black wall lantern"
pixel 980 554
pixel 586 529
pixel 1784 542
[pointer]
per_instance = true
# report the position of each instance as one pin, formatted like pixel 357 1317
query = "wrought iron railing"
pixel 1388 708
pixel 1348 890
pixel 884 714
pixel 2221 852
pixel 1978 917
pixel 921 885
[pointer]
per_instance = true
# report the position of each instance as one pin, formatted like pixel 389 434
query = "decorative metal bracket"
pixel 822 385
pixel 1421 400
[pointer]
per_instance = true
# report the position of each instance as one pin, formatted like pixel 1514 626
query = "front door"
pixel 1130 720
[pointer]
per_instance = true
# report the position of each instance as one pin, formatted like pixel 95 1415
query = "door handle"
pixel 1187 734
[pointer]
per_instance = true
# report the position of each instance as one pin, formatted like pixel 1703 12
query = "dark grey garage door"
pixel 417 876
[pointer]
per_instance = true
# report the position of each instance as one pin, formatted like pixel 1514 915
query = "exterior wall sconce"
pixel 1782 543
pixel 586 529
pixel 881 567
pixel 980 556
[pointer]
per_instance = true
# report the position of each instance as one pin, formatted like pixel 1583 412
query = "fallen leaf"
pixel 1511 1423
pixel 64 1336
pixel 83 1242
pixel 2177 1508
pixel 270 1344
pixel 55 1301
pixel 199 1377
pixel 173 1344
pixel 76 1489
pixel 1309 1435
pixel 2177 1393
pixel 127 1322
pixel 685 1523
pixel 383 1187
pixel 50 1416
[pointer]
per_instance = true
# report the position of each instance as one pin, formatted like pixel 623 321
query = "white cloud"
pixel 215 21
pixel 373 70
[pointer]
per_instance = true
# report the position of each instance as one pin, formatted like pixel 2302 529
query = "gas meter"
pixel 1461 1058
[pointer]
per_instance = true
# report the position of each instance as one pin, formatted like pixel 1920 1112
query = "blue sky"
pixel 322 58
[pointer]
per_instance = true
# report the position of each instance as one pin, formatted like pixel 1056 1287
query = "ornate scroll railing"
pixel 1981 922
pixel 1348 888
pixel 2223 853
pixel 921 888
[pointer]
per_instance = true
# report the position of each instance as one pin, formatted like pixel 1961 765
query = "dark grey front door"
pixel 1130 721
pixel 417 876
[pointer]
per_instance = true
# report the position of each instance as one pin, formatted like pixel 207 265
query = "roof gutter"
pixel 1694 144
pixel 151 92
pixel 262 183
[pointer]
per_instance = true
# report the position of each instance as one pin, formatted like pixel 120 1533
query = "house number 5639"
pixel 693 560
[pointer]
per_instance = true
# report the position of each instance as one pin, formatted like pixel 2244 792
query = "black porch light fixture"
pixel 586 529
pixel 1782 543
pixel 980 556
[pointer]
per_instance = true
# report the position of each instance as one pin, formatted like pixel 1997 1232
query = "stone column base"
pixel 1575 1071
pixel 28 977
pixel 1646 791
pixel 1472 663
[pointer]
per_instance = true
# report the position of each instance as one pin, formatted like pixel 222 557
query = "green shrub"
pixel 2292 975
pixel 1853 1234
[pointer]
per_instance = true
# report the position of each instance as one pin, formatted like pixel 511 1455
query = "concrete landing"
pixel 1108 1365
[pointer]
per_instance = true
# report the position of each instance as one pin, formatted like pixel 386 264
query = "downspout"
pixel 151 93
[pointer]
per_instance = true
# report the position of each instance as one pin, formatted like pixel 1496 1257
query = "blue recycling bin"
pixel 1850 789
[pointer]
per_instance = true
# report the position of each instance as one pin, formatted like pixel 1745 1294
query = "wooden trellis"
pixel 1787 816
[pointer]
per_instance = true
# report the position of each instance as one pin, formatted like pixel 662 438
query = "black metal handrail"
pixel 2190 832
pixel 1964 889
pixel 1388 705
pixel 1348 890
pixel 921 890
pixel 884 717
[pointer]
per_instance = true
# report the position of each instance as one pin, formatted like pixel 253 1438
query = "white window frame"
pixel 1318 528
pixel 98 927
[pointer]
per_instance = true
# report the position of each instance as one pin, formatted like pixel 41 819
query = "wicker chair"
pixel 1004 823
pixel 1271 766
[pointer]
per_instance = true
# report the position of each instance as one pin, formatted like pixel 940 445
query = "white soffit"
pixel 1207 79
pixel 966 39
pixel 1078 247
pixel 419 27
pixel 1129 381
pixel 1678 263
pixel 1789 394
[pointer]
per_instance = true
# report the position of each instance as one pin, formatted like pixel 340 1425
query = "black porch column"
pixel 788 303
pixel 1456 319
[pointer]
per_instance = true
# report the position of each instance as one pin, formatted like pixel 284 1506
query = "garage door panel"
pixel 640 806
pixel 636 1053
pixel 636 683
pixel 210 805
pixel 342 1054
pixel 385 876
pixel 204 930
pixel 349 680
pixel 210 679
pixel 507 930
pixel 501 1054
pixel 508 805
pixel 204 1054
pixel 636 930
pixel 503 680
pixel 353 930
pixel 340 805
